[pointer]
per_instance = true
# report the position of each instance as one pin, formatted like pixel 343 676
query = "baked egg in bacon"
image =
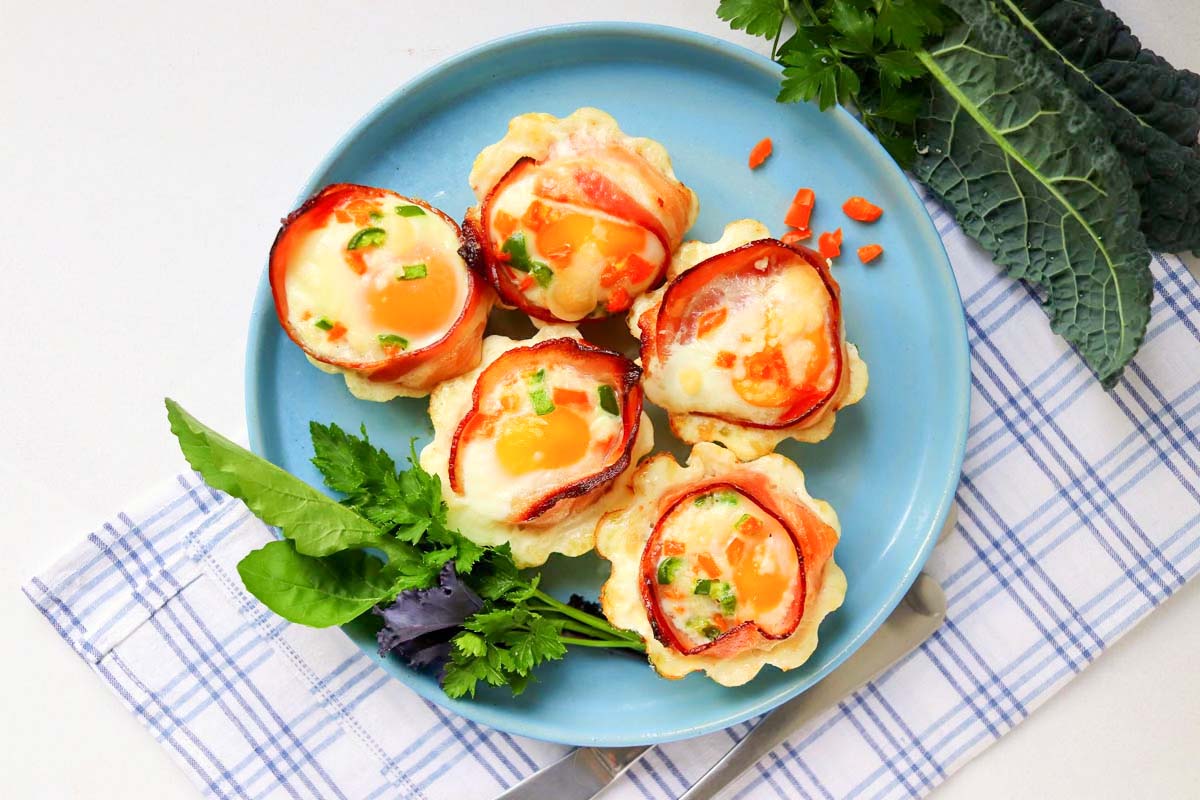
pixel 744 345
pixel 537 442
pixel 721 566
pixel 575 218
pixel 370 285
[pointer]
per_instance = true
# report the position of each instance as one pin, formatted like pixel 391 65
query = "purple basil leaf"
pixel 418 613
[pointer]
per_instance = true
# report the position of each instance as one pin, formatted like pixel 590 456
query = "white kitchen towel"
pixel 1078 513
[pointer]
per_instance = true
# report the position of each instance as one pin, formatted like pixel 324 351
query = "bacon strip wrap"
pixel 677 317
pixel 457 351
pixel 608 367
pixel 585 187
pixel 813 538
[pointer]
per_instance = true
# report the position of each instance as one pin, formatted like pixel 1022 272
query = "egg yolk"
pixel 551 441
pixel 417 307
pixel 565 235
pixel 756 588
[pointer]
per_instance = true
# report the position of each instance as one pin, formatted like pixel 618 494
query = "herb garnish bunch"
pixel 386 551
pixel 1061 145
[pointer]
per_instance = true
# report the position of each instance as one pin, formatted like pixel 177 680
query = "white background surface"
pixel 147 151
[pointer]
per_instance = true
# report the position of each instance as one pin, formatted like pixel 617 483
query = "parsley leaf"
pixel 388 547
pixel 755 17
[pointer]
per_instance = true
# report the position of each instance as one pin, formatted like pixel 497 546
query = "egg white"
pixel 622 535
pixel 687 383
pixel 481 513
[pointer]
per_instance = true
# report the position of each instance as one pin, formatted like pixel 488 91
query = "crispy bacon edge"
pixel 478 252
pixel 451 347
pixel 742 635
pixel 656 341
pixel 624 374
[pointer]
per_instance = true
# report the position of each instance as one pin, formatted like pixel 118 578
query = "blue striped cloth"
pixel 1078 513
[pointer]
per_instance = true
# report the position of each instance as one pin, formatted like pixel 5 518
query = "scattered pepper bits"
pixel 760 152
pixel 799 213
pixel 861 209
pixel 869 252
pixel 830 244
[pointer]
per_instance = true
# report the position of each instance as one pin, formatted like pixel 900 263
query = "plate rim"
pixel 263 320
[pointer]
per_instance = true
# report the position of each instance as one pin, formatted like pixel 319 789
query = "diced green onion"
pixel 542 404
pixel 517 251
pixel 703 587
pixel 324 324
pixel 410 211
pixel 412 272
pixel 704 627
pixel 726 598
pixel 367 237
pixel 393 340
pixel 538 377
pixel 667 569
pixel 726 496
pixel 608 399
pixel 376 215
pixel 742 520
pixel 542 274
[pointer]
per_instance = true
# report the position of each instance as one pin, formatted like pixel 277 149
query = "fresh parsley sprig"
pixel 859 53
pixel 383 547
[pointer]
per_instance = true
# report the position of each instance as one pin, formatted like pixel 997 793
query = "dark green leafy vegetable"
pixel 1150 110
pixel 317 524
pixel 1030 175
pixel 387 546
pixel 367 237
pixel 317 592
pixel 1101 47
pixel 860 53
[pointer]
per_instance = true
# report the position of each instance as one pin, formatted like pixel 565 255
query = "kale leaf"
pixel 1030 174
pixel 1150 109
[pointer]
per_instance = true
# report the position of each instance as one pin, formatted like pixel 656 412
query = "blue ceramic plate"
pixel 893 461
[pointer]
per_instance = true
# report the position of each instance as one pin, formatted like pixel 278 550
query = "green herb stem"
pixel 630 643
pixel 582 616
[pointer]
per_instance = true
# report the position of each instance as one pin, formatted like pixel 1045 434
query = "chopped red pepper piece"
pixel 725 359
pixel 830 244
pixel 869 252
pixel 337 331
pixel 710 320
pixel 800 211
pixel 619 300
pixel 861 209
pixel 793 236
pixel 569 397
pixel 760 153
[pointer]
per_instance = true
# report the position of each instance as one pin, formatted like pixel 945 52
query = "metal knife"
pixel 584 772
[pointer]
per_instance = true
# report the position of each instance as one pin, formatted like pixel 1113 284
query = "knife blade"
pixel 586 771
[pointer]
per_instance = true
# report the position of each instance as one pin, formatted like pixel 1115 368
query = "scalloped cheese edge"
pixel 622 535
pixel 531 545
pixel 745 441
pixel 532 135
